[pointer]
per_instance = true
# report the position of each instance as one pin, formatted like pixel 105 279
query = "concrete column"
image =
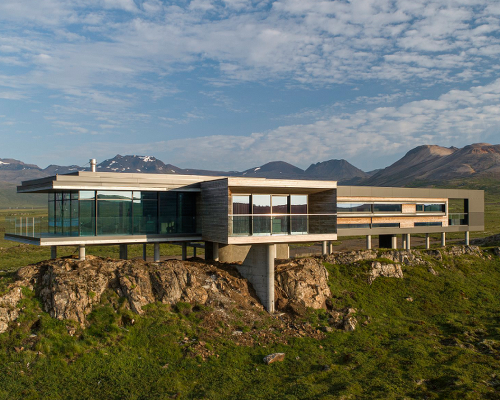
pixel 443 239
pixel 123 251
pixel 157 252
pixel 403 238
pixel 427 241
pixel 184 251
pixel 271 255
pixel 144 251
pixel 216 251
pixel 368 242
pixel 53 252
pixel 330 247
pixel 394 242
pixel 408 246
pixel 81 252
pixel 467 241
pixel 324 249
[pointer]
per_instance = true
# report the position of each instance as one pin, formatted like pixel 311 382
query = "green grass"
pixel 443 345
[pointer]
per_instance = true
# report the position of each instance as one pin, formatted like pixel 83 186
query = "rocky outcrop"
pixel 70 289
pixel 461 250
pixel 302 283
pixel 386 270
pixel 8 308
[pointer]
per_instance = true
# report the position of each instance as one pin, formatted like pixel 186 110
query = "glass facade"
pixel 90 213
pixel 428 224
pixel 438 207
pixel 63 214
pixel 368 207
pixel 354 207
pixel 266 214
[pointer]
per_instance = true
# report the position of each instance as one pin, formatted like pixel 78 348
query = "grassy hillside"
pixel 9 198
pixel 422 337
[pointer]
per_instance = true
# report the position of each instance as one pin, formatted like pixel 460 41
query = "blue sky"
pixel 232 84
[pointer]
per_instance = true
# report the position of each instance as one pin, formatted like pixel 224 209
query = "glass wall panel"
pixel 261 204
pixel 299 224
pixel 241 205
pixel 87 195
pixel 87 217
pixel 280 225
pixel 428 224
pixel 387 208
pixel 66 214
pixel 280 204
pixel 114 195
pixel 242 225
pixel 187 212
pixel 51 214
pixel 440 207
pixel 354 207
pixel 386 225
pixel 58 215
pixel 353 226
pixel 261 225
pixel 168 213
pixel 114 216
pixel 145 208
pixel 74 217
pixel 298 204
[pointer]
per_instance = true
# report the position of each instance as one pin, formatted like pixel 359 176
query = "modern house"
pixel 247 220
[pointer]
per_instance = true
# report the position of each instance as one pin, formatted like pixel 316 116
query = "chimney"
pixel 92 164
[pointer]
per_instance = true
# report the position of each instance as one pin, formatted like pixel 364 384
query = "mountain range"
pixel 429 163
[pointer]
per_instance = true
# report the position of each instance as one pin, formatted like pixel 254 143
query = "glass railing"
pixel 282 224
pixel 27 226
pixel 458 219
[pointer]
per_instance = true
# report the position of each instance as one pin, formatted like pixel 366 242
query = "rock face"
pixel 302 283
pixel 68 289
pixel 386 270
pixel 269 359
pixel 8 309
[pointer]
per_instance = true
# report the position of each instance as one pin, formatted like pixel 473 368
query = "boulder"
pixel 8 308
pixel 269 359
pixel 386 270
pixel 303 283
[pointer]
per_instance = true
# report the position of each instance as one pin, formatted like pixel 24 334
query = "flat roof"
pixel 85 180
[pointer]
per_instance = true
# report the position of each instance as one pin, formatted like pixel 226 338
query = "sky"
pixel 233 84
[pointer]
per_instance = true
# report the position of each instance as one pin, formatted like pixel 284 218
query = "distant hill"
pixel 9 198
pixel 335 170
pixel 435 163
pixel 427 163
pixel 275 169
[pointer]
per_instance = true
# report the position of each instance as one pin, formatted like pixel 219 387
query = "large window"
pixel 298 217
pixel 114 213
pixel 63 213
pixel 177 212
pixel 266 214
pixel 354 207
pixel 387 208
pixel 261 206
pixel 431 207
pixel 90 213
pixel 242 219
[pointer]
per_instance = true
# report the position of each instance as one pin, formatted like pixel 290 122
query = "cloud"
pixel 456 118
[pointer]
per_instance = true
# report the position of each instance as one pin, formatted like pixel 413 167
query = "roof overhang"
pixel 84 180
